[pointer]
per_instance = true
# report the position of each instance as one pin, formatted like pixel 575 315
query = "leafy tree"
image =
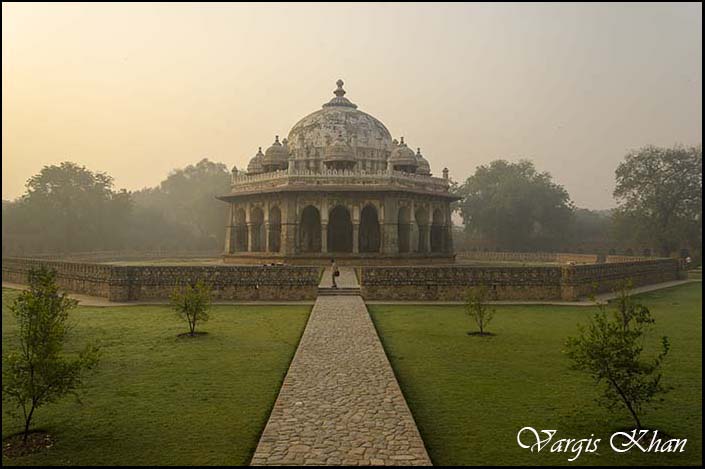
pixel 477 308
pixel 39 374
pixel 610 350
pixel 192 304
pixel 515 206
pixel 187 196
pixel 68 208
pixel 659 191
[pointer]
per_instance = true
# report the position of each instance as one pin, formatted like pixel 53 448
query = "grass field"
pixel 160 400
pixel 470 395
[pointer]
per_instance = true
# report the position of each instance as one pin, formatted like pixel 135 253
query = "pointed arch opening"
pixel 340 230
pixel 310 232
pixel 404 229
pixel 275 229
pixel 370 236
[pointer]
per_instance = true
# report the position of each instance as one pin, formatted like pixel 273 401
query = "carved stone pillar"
pixel 324 237
pixel 229 231
pixel 250 237
pixel 356 238
pixel 266 236
pixel 413 235
pixel 423 245
pixel 246 232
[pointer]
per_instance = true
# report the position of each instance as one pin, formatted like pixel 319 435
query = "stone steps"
pixel 342 291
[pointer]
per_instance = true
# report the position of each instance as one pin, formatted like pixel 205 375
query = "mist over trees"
pixel 659 191
pixel 69 208
pixel 504 206
pixel 515 206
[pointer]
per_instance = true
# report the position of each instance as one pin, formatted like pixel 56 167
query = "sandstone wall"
pixel 548 257
pixel 567 282
pixel 129 283
pixel 583 280
pixel 449 283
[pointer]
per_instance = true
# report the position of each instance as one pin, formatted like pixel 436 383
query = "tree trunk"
pixel 27 421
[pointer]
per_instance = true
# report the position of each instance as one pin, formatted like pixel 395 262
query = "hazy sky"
pixel 138 90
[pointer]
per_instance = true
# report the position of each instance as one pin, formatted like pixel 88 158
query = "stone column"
pixel 413 232
pixel 424 238
pixel 324 237
pixel 265 225
pixel 288 226
pixel 229 230
pixel 266 236
pixel 388 228
pixel 356 238
pixel 250 236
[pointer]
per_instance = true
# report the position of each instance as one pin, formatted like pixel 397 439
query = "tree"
pixel 515 206
pixel 192 304
pixel 477 308
pixel 39 374
pixel 659 192
pixel 68 208
pixel 187 196
pixel 610 350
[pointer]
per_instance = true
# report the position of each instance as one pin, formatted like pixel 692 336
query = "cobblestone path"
pixel 347 278
pixel 340 402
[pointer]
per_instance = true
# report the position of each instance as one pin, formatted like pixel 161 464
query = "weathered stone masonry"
pixel 129 283
pixel 444 283
pixel 449 283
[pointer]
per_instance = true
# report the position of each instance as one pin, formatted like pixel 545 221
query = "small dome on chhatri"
pixel 403 157
pixel 255 164
pixel 326 189
pixel 339 154
pixel 424 167
pixel 276 156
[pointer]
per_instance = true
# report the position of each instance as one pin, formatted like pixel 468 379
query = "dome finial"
pixel 401 142
pixel 340 99
pixel 418 150
pixel 276 139
pixel 340 92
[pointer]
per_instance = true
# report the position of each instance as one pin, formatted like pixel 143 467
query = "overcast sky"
pixel 138 90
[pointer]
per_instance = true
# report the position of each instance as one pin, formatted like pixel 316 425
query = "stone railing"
pixel 246 183
pixel 567 282
pixel 129 283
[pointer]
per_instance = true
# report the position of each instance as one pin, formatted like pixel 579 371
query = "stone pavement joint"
pixel 340 403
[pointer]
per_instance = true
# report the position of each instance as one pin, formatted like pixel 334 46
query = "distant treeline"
pixel 68 208
pixel 505 206
pixel 513 207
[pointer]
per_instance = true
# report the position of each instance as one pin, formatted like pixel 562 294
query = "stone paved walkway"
pixel 347 278
pixel 340 402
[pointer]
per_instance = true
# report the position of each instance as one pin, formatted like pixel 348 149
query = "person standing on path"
pixel 334 272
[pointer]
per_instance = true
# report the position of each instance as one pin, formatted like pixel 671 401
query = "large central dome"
pixel 369 139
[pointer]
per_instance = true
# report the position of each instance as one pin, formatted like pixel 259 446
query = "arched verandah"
pixel 340 230
pixel 370 237
pixel 310 231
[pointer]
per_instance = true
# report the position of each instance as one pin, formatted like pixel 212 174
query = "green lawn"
pixel 160 400
pixel 470 395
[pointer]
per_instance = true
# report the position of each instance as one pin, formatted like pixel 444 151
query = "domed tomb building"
pixel 339 186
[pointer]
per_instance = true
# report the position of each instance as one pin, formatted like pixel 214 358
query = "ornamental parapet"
pixel 316 179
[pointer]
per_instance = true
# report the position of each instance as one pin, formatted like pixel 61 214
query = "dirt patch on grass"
pixel 188 335
pixel 38 440
pixel 484 334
